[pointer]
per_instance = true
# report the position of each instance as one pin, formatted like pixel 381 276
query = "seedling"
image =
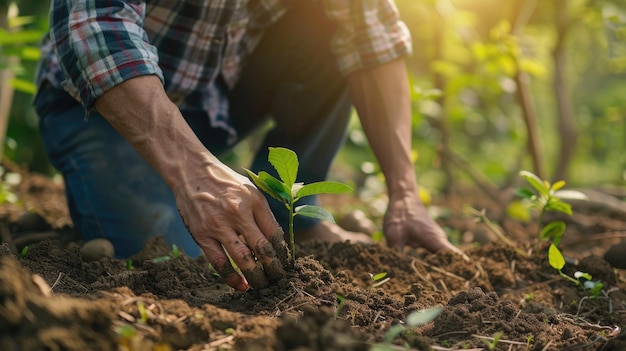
pixel 143 314
pixel 24 252
pixel 341 302
pixel 288 192
pixel 492 343
pixel 378 279
pixel 175 251
pixel 415 319
pixel 529 297
pixel 546 198
pixel 129 264
pixel 174 254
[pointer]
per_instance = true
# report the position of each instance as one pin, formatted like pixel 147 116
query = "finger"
pixel 243 257
pixel 266 255
pixel 263 251
pixel 271 230
pixel 219 260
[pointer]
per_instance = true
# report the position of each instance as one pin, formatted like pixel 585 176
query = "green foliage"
pixel 288 192
pixel 341 303
pixel 378 279
pixel 175 253
pixel 23 252
pixel 493 343
pixel 19 40
pixel 545 198
pixel 7 181
pixel 414 319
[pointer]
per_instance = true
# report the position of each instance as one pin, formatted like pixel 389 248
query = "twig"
pixel 481 181
pixel 499 341
pixel 437 269
pixel 426 278
pixel 56 281
pixel 583 323
pixel 218 342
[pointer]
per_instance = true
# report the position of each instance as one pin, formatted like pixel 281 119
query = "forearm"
pixel 141 112
pixel 381 97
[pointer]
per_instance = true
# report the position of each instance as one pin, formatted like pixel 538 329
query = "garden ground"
pixel 504 298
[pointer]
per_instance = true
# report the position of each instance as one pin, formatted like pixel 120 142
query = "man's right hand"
pixel 228 215
pixel 224 212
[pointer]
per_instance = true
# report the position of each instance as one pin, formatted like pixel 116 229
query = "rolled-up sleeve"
pixel 369 33
pixel 100 44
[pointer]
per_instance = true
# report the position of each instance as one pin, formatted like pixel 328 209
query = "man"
pixel 136 98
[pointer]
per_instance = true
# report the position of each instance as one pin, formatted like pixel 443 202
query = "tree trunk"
pixel 521 14
pixel 440 123
pixel 566 124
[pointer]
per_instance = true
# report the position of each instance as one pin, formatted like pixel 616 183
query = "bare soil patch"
pixel 54 299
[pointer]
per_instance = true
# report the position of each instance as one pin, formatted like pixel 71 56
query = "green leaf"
pixel 314 212
pixel 553 230
pixel 261 184
pixel 597 288
pixel 536 182
pixel 558 206
pixel 393 332
pixel 379 276
pixel 20 37
pixel 571 195
pixel 422 317
pixel 555 257
pixel 579 274
pixel 327 187
pixel 277 186
pixel 286 164
pixel 524 193
pixel 23 85
pixel 558 185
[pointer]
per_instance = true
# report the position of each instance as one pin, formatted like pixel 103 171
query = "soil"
pixel 504 298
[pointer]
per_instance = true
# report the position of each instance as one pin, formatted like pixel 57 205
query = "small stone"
pixel 615 255
pixel 96 249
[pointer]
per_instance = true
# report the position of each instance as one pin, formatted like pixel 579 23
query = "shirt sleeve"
pixel 101 44
pixel 369 33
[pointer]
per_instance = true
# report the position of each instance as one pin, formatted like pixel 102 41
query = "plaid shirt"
pixel 94 45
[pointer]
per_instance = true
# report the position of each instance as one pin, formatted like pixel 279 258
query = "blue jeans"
pixel 113 193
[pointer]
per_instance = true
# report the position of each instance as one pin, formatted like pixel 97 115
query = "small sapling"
pixel 24 252
pixel 288 192
pixel 545 198
pixel 414 319
pixel 129 265
pixel 378 279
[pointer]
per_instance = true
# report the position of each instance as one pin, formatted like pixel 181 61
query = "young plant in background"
pixel 544 198
pixel 414 319
pixel 288 192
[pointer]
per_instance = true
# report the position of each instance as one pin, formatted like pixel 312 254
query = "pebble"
pixel 615 255
pixel 97 249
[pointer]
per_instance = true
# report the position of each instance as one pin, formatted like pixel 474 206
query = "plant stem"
pixel 569 278
pixel 291 234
